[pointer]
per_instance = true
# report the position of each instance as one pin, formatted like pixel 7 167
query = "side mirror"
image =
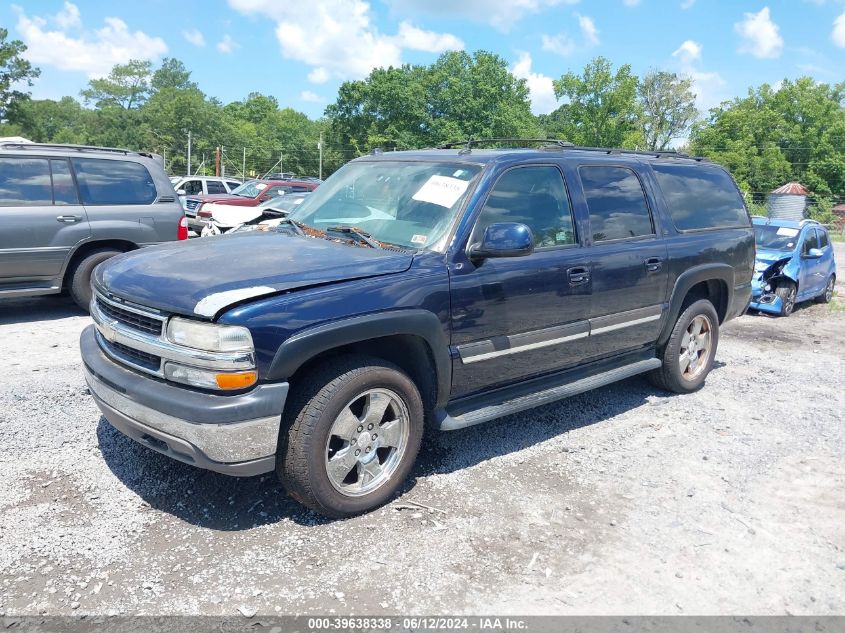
pixel 181 192
pixel 814 253
pixel 504 239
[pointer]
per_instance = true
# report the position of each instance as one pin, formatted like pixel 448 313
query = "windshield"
pixel 250 189
pixel 776 238
pixel 409 204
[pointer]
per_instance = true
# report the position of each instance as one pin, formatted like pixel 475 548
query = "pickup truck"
pixel 416 292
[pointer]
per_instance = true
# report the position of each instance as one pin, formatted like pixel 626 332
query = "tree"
pixel 126 87
pixel 14 70
pixel 49 121
pixel 601 107
pixel 171 74
pixel 668 108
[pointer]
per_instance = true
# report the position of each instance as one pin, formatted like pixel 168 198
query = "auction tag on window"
pixel 787 232
pixel 441 190
pixel 419 239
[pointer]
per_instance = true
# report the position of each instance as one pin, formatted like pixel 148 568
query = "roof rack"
pixel 809 221
pixel 557 144
pixel 78 148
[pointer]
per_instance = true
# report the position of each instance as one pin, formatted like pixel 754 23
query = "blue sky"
pixel 301 51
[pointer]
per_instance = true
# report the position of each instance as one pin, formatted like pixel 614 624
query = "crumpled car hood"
pixel 205 275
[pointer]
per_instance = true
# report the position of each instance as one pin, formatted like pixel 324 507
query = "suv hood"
pixel 227 198
pixel 205 275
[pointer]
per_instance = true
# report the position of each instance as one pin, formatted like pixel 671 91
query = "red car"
pixel 250 194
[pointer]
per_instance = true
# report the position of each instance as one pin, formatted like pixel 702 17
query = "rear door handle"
pixel 69 219
pixel 578 275
pixel 653 264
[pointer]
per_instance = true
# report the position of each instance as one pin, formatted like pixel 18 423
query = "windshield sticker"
pixel 419 239
pixel 441 190
pixel 787 232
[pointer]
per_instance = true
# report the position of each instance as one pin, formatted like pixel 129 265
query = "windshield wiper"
pixel 297 227
pixel 365 238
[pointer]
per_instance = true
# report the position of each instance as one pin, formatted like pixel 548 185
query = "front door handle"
pixel 578 275
pixel 653 264
pixel 69 219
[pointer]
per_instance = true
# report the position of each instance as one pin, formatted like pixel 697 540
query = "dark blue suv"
pixel 439 288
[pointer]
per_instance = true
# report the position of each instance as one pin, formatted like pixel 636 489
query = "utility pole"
pixel 217 162
pixel 320 147
pixel 243 168
pixel 281 164
pixel 188 171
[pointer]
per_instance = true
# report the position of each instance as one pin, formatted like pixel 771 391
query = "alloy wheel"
pixel 695 347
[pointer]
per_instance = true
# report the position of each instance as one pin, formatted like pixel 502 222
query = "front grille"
pixel 134 356
pixel 136 321
pixel 191 205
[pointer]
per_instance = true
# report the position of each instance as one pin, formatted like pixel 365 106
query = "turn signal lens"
pixel 241 380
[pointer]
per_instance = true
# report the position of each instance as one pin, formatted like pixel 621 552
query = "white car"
pixel 201 186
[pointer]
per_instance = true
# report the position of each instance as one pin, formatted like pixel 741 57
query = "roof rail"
pixel 78 148
pixel 809 221
pixel 553 144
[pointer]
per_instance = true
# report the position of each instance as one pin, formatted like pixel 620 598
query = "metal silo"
pixel 788 202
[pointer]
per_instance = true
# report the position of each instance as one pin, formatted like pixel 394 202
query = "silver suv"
pixel 66 208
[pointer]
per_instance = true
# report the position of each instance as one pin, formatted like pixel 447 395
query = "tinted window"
pixel 617 204
pixel 25 182
pixel 192 187
pixel 113 182
pixel 215 186
pixel 233 185
pixel 64 191
pixel 823 240
pixel 811 240
pixel 700 197
pixel 534 196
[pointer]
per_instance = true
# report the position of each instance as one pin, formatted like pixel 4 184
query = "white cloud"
pixel 338 38
pixel 560 44
pixel 195 37
pixel 92 52
pixel 760 35
pixel 688 52
pixel 631 3
pixel 312 97
pixel 416 39
pixel 588 29
pixel 227 44
pixel 709 87
pixel 501 14
pixel 838 34
pixel 542 89
pixel 687 4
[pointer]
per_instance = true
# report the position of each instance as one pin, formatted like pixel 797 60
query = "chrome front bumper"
pixel 232 434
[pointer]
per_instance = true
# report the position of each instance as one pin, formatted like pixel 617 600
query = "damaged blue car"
pixel 794 263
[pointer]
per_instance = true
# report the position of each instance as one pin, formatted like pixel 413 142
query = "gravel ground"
pixel 624 500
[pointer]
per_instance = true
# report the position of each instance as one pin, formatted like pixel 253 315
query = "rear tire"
pixel 787 291
pixel 79 278
pixel 351 436
pixel 689 353
pixel 827 295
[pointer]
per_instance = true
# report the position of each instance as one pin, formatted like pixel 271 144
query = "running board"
pixel 529 401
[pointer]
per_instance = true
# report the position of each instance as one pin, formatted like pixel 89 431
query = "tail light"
pixel 182 231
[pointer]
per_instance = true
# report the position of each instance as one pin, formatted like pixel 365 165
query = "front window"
pixel 775 238
pixel 251 189
pixel 409 204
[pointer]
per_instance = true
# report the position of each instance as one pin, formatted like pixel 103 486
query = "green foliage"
pixel 601 108
pixel 461 95
pixel 821 210
pixel 668 108
pixel 127 86
pixel 14 69
pixel 770 137
pixel 172 74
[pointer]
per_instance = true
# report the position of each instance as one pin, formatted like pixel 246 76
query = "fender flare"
pixel 683 284
pixel 308 343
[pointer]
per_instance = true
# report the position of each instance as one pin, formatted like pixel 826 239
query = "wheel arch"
pixel 414 340
pixel 710 281
pixel 87 248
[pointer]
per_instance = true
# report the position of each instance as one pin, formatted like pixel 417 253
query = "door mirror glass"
pixel 814 253
pixel 181 192
pixel 504 239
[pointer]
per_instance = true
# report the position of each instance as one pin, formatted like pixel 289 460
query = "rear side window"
pixel 617 204
pixel 215 186
pixel 113 182
pixel 700 197
pixel 25 182
pixel 534 196
pixel 64 191
pixel 233 185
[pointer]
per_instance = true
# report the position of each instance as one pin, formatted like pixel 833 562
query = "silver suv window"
pixel 113 182
pixel 26 182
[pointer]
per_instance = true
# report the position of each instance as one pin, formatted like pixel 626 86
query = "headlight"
pixel 209 336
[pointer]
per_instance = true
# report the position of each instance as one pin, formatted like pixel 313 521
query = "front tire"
pixel 352 436
pixel 689 353
pixel 79 279
pixel 827 295
pixel 788 292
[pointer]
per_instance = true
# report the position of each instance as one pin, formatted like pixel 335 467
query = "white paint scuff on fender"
pixel 211 305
